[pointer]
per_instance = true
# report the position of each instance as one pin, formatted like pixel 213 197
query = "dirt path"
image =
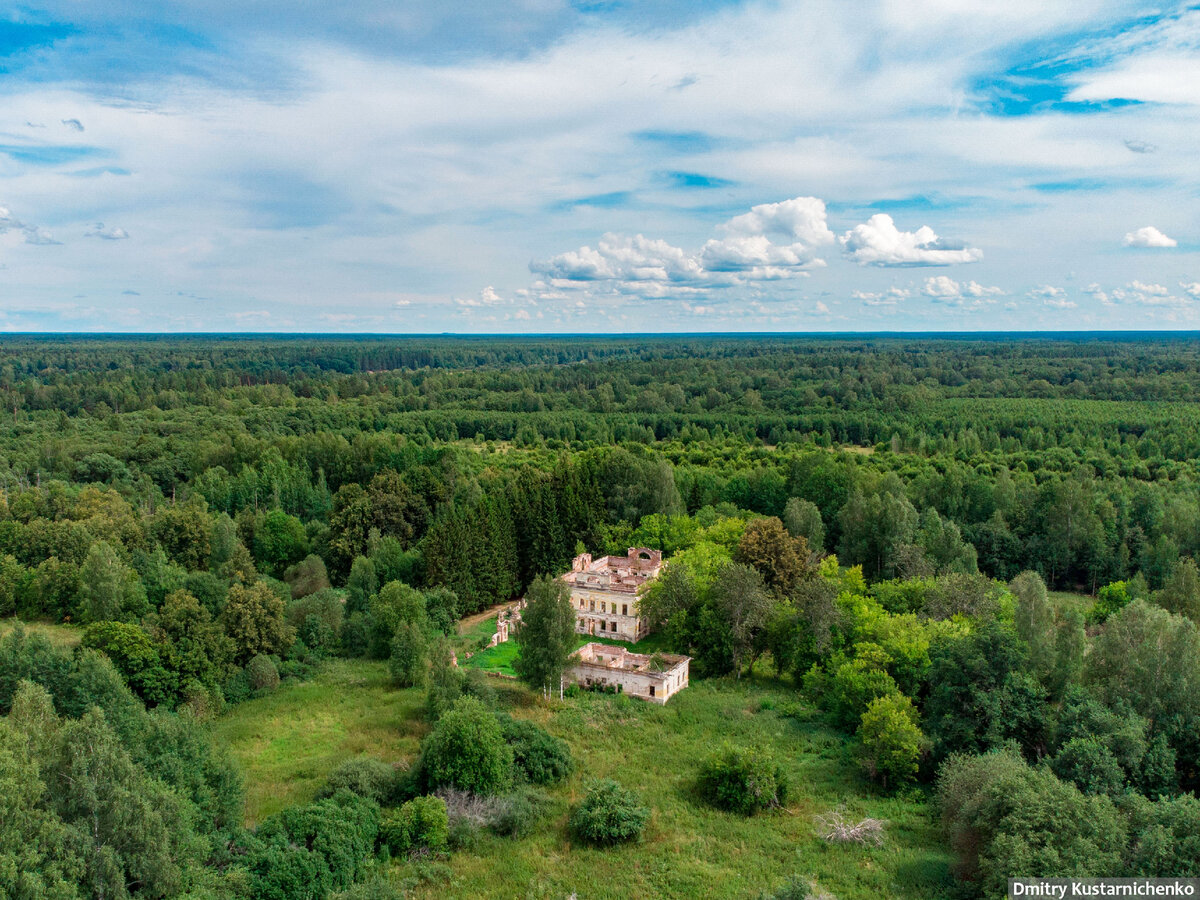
pixel 471 621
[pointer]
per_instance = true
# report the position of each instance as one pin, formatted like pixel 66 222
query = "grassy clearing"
pixel 1066 600
pixel 470 637
pixel 690 849
pixel 60 635
pixel 288 742
pixel 498 659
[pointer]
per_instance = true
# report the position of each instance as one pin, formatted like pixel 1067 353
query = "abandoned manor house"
pixel 605 592
pixel 604 595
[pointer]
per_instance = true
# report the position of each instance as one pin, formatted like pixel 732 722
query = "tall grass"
pixel 60 635
pixel 289 741
pixel 690 849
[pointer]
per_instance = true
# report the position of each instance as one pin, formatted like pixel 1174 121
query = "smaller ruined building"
pixel 605 592
pixel 653 677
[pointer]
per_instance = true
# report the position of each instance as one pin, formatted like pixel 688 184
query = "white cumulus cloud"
pixel 771 242
pixel 748 241
pixel 878 242
pixel 1149 236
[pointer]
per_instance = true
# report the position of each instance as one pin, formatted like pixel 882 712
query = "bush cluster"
pixel 743 780
pixel 609 814
pixel 421 823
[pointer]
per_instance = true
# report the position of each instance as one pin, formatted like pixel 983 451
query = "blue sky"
pixel 599 165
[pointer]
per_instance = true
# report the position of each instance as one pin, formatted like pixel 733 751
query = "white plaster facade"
pixel 654 678
pixel 605 591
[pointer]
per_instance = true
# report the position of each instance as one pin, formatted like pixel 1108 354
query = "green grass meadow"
pixel 287 742
pixel 1069 600
pixel 67 636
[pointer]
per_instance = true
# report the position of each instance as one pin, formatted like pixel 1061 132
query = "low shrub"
pixel 609 814
pixel 307 577
pixel 297 668
pixel 421 823
pixel 378 887
pixel 798 889
pixel 475 684
pixel 743 781
pixel 262 675
pixel 365 776
pixel 463 835
pixel 520 812
pixel 538 756
pixel 311 850
pixel 237 687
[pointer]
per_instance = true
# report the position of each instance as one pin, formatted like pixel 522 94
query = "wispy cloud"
pixel 107 232
pixel 1145 294
pixel 1053 297
pixel 891 297
pixel 34 234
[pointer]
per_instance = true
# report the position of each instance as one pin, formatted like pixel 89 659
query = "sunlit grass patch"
pixel 287 742
pixel 59 635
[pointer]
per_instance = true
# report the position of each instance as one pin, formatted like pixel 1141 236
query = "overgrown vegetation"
pixel 280 536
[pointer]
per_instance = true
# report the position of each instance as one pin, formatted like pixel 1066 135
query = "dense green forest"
pixel 873 522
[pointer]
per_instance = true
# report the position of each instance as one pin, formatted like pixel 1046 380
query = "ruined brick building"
pixel 652 677
pixel 604 592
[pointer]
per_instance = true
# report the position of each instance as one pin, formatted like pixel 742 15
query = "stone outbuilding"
pixel 653 677
pixel 605 592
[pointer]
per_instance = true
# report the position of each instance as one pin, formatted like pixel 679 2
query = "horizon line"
pixel 591 335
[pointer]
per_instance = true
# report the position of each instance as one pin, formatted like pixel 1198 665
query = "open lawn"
pixel 689 848
pixel 59 635
pixel 288 742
